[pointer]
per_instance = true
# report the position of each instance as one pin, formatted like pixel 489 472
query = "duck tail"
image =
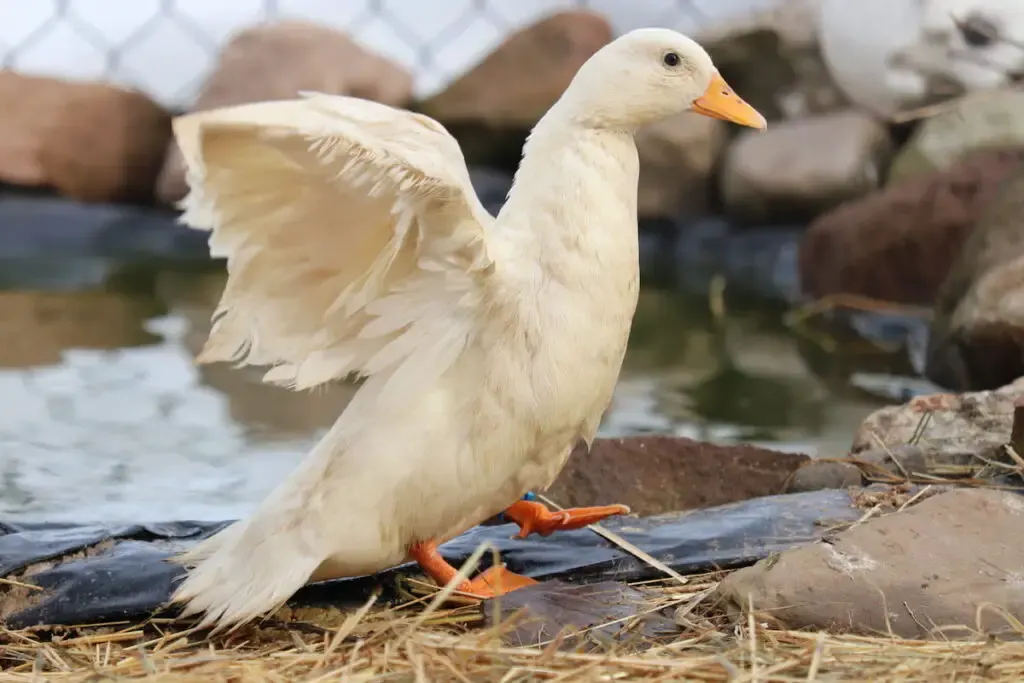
pixel 247 569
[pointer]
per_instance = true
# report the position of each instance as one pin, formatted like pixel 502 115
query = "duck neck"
pixel 583 180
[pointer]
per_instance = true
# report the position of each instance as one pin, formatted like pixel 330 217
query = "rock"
pixel 976 340
pixel 771 57
pixel 274 62
pixel 88 141
pixel 610 611
pixel 655 474
pixel 677 157
pixel 817 475
pixel 898 243
pixel 980 122
pixel 925 572
pixel 514 85
pixel 892 55
pixel 492 107
pixel 959 428
pixel 798 169
pixel 897 461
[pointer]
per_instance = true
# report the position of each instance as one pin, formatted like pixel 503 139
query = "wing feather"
pixel 353 238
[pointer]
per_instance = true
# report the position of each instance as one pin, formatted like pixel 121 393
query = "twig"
pixel 625 545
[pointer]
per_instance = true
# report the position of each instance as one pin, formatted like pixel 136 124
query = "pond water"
pixel 105 416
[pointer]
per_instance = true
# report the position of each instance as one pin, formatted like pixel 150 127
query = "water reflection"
pixel 105 415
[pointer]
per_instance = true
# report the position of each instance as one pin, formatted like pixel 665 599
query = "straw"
pixel 399 644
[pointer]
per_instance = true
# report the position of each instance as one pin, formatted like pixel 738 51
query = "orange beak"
pixel 720 102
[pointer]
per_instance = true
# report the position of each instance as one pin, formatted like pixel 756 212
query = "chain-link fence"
pixel 166 47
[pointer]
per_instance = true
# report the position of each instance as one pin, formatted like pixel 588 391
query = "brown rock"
pixel 818 475
pixel 898 243
pixel 920 573
pixel 771 57
pixel 514 85
pixel 275 62
pixel 677 156
pixel 656 474
pixel 89 141
pixel 976 340
pixel 961 428
pixel 803 167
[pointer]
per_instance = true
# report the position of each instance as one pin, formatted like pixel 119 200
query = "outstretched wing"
pixel 353 237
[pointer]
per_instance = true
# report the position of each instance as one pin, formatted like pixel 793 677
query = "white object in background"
pixel 892 55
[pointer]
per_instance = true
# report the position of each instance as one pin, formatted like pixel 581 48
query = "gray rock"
pixel 588 616
pixel 957 432
pixel 677 157
pixel 925 572
pixel 978 122
pixel 817 475
pixel 803 167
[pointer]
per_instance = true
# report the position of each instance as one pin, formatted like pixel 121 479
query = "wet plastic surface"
pixel 33 226
pixel 115 572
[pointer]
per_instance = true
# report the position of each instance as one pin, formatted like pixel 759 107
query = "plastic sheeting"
pixel 92 573
pixel 37 226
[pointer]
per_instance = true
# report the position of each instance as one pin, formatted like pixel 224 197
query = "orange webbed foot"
pixel 534 518
pixel 494 581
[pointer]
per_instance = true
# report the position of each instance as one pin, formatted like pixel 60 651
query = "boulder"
pixel 976 123
pixel 772 59
pixel 960 429
pixel 492 107
pixel 88 141
pixel 976 340
pixel 898 243
pixel 656 474
pixel 797 169
pixel 677 157
pixel 274 62
pixel 517 82
pixel 940 569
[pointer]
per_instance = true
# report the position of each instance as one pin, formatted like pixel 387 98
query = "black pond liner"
pixel 129 577
pixel 34 226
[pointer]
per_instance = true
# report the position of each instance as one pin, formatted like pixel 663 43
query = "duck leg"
pixel 534 517
pixel 494 581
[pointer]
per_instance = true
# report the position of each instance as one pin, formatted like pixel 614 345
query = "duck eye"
pixel 671 59
pixel 978 32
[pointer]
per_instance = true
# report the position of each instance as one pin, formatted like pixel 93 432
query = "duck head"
pixel 650 74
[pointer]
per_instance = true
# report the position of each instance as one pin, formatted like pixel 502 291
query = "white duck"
pixel 355 245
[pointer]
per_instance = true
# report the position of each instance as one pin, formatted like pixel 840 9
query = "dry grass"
pixel 418 641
